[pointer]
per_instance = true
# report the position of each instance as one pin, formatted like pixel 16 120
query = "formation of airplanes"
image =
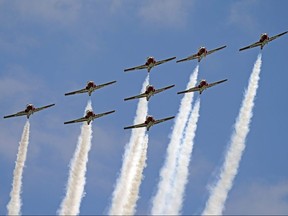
pixel 150 89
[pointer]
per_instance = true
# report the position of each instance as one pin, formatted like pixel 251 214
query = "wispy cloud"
pixel 259 198
pixel 165 13
pixel 16 81
pixel 60 11
pixel 241 15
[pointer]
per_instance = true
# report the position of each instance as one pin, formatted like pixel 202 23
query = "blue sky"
pixel 48 48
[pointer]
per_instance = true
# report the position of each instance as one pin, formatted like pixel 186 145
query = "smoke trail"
pixel 159 202
pixel 182 171
pixel 76 181
pixel 219 192
pixel 129 207
pixel 14 205
pixel 131 157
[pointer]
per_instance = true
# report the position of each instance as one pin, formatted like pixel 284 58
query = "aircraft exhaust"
pixel 77 174
pixel 14 205
pixel 160 200
pixel 175 202
pixel 125 194
pixel 219 192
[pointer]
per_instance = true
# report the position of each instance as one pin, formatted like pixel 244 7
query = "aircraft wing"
pixel 189 90
pixel 216 83
pixel 135 97
pixel 164 119
pixel 105 84
pixel 103 114
pixel 163 89
pixel 194 56
pixel 251 46
pixel 76 120
pixel 136 126
pixel 163 61
pixel 84 90
pixel 276 36
pixel 21 113
pixel 214 50
pixel 136 68
pixel 44 107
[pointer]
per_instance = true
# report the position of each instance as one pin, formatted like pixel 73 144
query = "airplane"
pixel 90 87
pixel 149 122
pixel 264 39
pixel 150 63
pixel 89 116
pixel 30 109
pixel 202 52
pixel 202 86
pixel 150 91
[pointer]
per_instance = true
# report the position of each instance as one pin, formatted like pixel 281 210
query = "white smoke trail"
pixel 182 171
pixel 14 205
pixel 219 192
pixel 159 202
pixel 75 188
pixel 129 207
pixel 131 157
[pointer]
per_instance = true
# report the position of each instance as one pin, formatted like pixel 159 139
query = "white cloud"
pixel 165 13
pixel 240 14
pixel 259 198
pixel 18 83
pixel 17 44
pixel 60 11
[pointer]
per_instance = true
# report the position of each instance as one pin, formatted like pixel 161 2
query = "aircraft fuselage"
pixel 264 39
pixel 149 122
pixel 150 63
pixel 150 90
pixel 89 116
pixel 202 52
pixel 202 85
pixel 29 110
pixel 90 87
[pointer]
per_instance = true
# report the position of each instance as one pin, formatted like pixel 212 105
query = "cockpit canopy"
pixel 90 82
pixel 89 111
